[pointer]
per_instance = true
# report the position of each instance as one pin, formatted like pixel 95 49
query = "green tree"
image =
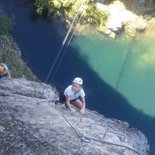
pixel 53 7
pixel 95 16
pixel 70 8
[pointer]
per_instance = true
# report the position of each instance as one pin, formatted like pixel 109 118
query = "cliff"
pixel 11 55
pixel 32 124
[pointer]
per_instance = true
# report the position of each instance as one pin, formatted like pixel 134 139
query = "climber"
pixel 4 71
pixel 74 95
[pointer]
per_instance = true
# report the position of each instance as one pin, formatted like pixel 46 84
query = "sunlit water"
pixel 119 75
pixel 126 64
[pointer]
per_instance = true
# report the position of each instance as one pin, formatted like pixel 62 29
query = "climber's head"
pixel 77 83
pixel 1 69
pixel 78 80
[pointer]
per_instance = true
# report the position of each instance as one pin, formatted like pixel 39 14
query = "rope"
pixel 78 134
pixel 110 143
pixel 62 46
pixel 63 54
pixel 89 139
pixel 53 65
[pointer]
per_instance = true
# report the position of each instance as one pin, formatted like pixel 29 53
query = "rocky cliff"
pixel 31 124
pixel 11 55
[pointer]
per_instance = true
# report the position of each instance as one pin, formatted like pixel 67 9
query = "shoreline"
pixel 88 29
pixel 128 23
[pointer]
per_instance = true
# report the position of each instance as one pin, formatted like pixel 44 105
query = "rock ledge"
pixel 31 124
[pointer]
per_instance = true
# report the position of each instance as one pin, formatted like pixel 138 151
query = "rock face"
pixel 31 124
pixel 121 18
pixel 10 54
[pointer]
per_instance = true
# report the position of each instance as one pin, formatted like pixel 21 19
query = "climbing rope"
pixel 68 37
pixel 63 54
pixel 88 139
pixel 78 134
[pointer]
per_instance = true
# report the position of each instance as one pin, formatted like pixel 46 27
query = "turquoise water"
pixel 118 74
pixel 127 64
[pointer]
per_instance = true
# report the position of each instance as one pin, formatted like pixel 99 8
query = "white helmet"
pixel 78 80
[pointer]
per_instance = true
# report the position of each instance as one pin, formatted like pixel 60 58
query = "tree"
pixel 69 9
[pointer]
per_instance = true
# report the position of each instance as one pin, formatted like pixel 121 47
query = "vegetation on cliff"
pixel 10 54
pixel 6 24
pixel 9 51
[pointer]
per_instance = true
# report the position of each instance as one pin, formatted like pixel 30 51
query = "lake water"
pixel 119 75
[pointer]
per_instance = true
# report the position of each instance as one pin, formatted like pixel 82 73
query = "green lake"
pixel 127 64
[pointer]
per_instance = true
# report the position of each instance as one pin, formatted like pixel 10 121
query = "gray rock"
pixel 31 124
